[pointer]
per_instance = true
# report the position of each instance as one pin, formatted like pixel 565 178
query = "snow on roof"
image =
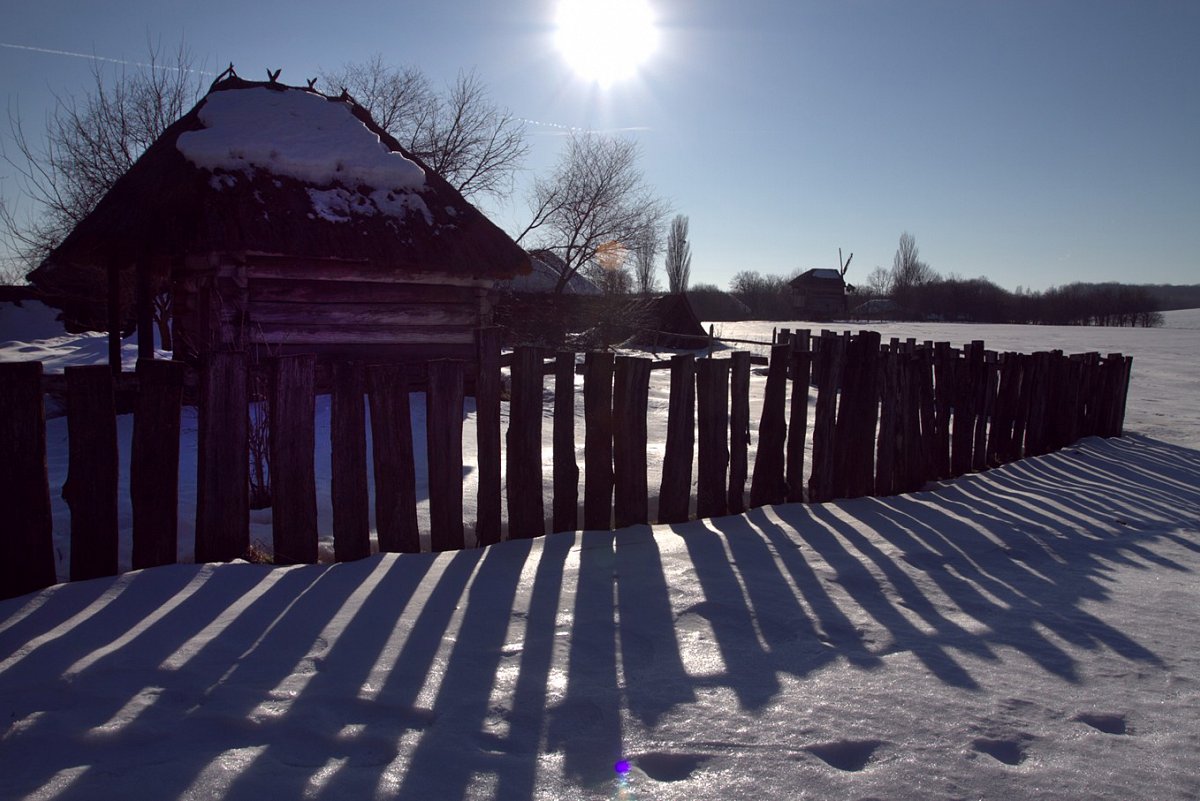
pixel 297 134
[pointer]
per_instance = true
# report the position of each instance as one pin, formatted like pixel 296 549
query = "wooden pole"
pixel 712 394
pixel 674 495
pixel 114 316
pixel 154 463
pixel 488 435
pixel 630 398
pixel 598 442
pixel 798 422
pixel 293 474
pixel 820 484
pixel 566 468
pixel 348 447
pixel 145 312
pixel 223 459
pixel 739 429
pixel 769 484
pixel 526 510
pixel 443 439
pixel 91 487
pixel 27 548
pixel 392 454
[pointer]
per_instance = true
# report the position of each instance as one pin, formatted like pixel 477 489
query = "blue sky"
pixel 1035 143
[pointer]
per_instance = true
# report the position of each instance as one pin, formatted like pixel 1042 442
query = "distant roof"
pixel 260 167
pixel 543 277
pixel 817 274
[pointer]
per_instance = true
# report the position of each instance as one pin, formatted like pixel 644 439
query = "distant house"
pixel 547 268
pixel 818 294
pixel 282 219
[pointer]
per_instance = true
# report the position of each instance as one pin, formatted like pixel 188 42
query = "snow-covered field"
pixel 1028 632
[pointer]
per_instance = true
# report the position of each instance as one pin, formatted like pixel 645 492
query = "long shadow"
pixel 653 675
pixel 586 725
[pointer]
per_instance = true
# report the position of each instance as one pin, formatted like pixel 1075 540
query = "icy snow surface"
pixel 297 134
pixel 1027 632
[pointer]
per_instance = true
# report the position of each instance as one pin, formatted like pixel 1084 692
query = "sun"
pixel 605 41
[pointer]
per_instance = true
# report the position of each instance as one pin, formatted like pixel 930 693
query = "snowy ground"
pixel 1028 632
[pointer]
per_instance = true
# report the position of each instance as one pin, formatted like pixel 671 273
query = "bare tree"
pixel 460 133
pixel 89 143
pixel 879 283
pixel 644 254
pixel 908 270
pixel 679 255
pixel 596 197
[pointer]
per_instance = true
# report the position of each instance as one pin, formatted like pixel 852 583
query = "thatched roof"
pixel 254 200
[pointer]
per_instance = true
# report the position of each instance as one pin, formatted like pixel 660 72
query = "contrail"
pixel 93 57
pixel 573 129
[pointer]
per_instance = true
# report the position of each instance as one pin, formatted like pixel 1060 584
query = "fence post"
pixel 820 483
pixel 91 487
pixel 943 398
pixel 598 441
pixel 885 460
pixel 293 475
pixel 1122 395
pixel 443 441
pixel 630 397
pixel 798 420
pixel 712 395
pixel 769 484
pixel 154 463
pixel 566 468
pixel 674 494
pixel 487 427
pixel 392 454
pixel 223 459
pixel 964 414
pixel 348 460
pixel 739 429
pixel 523 480
pixel 27 549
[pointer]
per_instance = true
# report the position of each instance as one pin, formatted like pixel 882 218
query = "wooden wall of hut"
pixel 331 307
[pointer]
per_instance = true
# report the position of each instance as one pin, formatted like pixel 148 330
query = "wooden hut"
pixel 281 219
pixel 818 294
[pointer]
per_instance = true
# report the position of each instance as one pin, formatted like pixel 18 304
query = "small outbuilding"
pixel 818 294
pixel 278 218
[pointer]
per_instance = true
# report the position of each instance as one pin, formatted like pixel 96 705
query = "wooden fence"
pixel 888 418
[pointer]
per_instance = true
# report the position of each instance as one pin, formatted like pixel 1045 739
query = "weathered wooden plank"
pixel 27 548
pixel 566 468
pixel 392 454
pixel 1122 400
pixel 223 459
pixel 631 386
pixel 372 314
pixel 113 309
pixel 885 459
pixel 144 310
pixel 91 487
pixel 154 463
pixel 526 510
pixel 306 334
pixel 674 495
pixel 769 484
pixel 846 420
pixel 712 396
pixel 293 474
pixel 334 270
pixel 739 429
pixel 927 412
pixel 488 435
pixel 443 438
pixel 798 421
pixel 291 290
pixel 914 462
pixel 944 393
pixel 1035 434
pixel 963 435
pixel 349 495
pixel 597 443
pixel 858 440
pixel 820 484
